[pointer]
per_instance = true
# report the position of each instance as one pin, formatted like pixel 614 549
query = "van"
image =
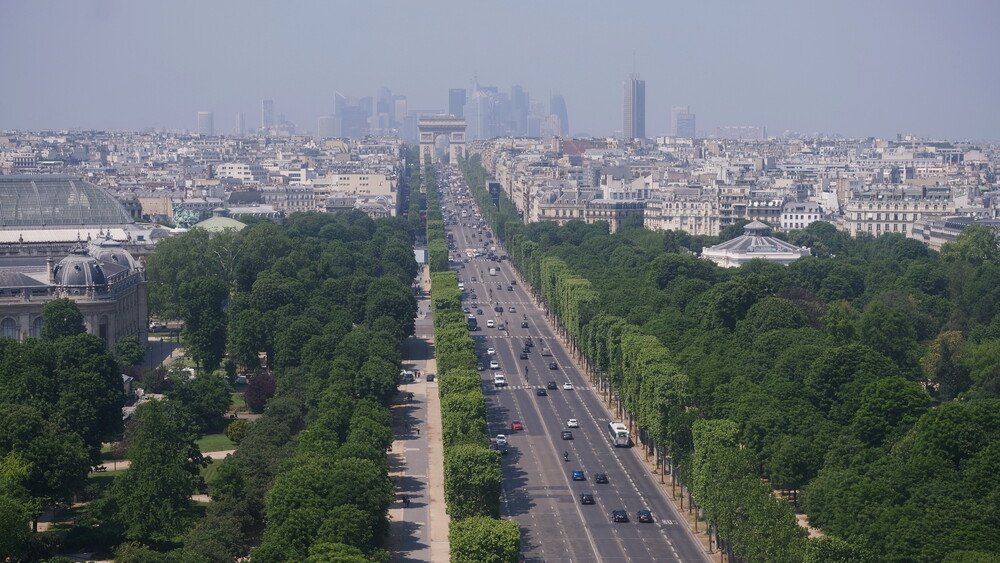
pixel 546 351
pixel 499 380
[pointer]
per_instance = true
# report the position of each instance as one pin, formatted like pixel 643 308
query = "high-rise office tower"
pixel 520 106
pixel 241 125
pixel 266 114
pixel 557 107
pixel 456 101
pixel 326 127
pixel 634 125
pixel 685 126
pixel 399 111
pixel 674 112
pixel 384 105
pixel 206 123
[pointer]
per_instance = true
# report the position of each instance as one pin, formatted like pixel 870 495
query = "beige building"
pixel 895 210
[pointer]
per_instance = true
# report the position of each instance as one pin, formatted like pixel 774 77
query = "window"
pixel 36 327
pixel 8 328
pixel 102 330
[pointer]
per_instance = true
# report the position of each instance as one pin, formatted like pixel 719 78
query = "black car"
pixel 525 350
pixel 524 324
pixel 601 477
pixel 541 392
pixel 619 516
pixel 479 311
pixel 586 498
pixel 509 288
pixel 644 516
pixel 567 435
pixel 553 365
pixel 498 309
pixel 524 356
pixel 429 377
pixel 551 385
pixel 529 343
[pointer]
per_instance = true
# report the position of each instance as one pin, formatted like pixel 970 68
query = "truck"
pixel 493 271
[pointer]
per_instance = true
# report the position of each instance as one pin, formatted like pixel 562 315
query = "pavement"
pixel 418 530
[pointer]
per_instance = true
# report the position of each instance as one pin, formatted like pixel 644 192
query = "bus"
pixel 619 435
pixel 473 323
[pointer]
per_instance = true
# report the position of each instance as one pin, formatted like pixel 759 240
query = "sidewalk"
pixel 419 531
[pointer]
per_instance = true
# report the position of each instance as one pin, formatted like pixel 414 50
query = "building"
pixel 266 114
pixel 754 244
pixel 326 127
pixel 634 126
pixel 557 107
pixel 206 123
pixel 241 125
pixel 456 102
pixel 799 215
pixel 895 209
pixel 685 126
pixel 675 113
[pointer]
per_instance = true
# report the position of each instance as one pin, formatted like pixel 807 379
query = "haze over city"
pixel 854 68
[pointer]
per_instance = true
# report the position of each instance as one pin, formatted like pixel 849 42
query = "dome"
pixel 111 251
pixel 48 200
pixel 79 269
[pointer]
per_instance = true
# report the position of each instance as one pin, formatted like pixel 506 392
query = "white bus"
pixel 619 435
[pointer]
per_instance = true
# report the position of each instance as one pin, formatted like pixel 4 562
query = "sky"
pixel 857 68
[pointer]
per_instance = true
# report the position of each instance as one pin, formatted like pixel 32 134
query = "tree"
pixel 831 549
pixel 204 333
pixel 61 317
pixel 260 388
pixel 237 429
pixel 57 461
pixel 130 351
pixel 207 396
pixel 480 539
pixel 151 501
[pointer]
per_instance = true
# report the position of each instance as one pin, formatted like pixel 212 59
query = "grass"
pixel 209 472
pixel 239 405
pixel 215 443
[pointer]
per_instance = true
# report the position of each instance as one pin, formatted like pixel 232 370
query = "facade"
pixel 685 126
pixel 691 209
pixel 799 215
pixel 754 244
pixel 206 123
pixel 896 209
pixel 635 108
pixel 248 173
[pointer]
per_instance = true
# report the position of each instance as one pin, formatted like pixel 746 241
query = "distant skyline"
pixel 856 67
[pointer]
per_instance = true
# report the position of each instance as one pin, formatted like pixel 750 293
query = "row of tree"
pixel 316 309
pixel 827 371
pixel 472 473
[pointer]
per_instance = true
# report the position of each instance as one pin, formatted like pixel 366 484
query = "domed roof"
pixel 109 250
pixel 48 200
pixel 79 269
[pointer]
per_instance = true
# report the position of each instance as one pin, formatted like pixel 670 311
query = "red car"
pixel 516 425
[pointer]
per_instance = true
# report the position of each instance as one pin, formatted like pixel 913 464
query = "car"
pixel 490 323
pixel 579 475
pixel 474 278
pixel 524 324
pixel 513 282
pixel 568 386
pixel 601 478
pixel 494 364
pixel 551 385
pixel 498 309
pixel 516 426
pixel 523 356
pixel 525 350
pixel 429 377
pixel 541 392
pixel 567 435
pixel 572 423
pixel 499 286
pixel 480 366
pixel 501 440
pixel 529 343
pixel 511 310
pixel 553 365
pixel 509 288
pixel 619 516
pixel 644 516
pixel 466 310
pixel 479 311
pixel 586 498
pixel 491 351
pixel 501 326
pixel 474 296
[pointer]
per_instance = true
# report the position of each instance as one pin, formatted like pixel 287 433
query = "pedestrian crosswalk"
pixel 489 385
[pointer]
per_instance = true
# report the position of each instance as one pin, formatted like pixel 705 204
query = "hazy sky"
pixel 855 67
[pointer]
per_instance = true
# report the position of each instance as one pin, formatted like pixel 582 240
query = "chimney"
pixel 51 268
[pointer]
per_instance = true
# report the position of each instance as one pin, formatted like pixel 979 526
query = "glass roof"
pixel 56 201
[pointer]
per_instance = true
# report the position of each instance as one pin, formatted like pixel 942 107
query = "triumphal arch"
pixel 431 126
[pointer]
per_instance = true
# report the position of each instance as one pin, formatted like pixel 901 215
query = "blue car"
pixel 579 476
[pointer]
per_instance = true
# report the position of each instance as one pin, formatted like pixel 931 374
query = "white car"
pixel 491 351
pixel 572 423
pixel 568 386
pixel 490 323
pixel 494 364
pixel 501 440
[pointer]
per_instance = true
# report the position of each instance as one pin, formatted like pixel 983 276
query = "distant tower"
pixel 241 125
pixel 456 102
pixel 685 126
pixel 674 112
pixel 266 114
pixel 557 107
pixel 635 108
pixel 326 127
pixel 206 123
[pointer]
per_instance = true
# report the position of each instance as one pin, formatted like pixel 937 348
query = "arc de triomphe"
pixel 430 126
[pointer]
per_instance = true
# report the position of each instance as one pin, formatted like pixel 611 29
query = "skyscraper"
pixel 266 114
pixel 557 107
pixel 685 126
pixel 635 108
pixel 326 127
pixel 674 112
pixel 241 125
pixel 206 123
pixel 456 101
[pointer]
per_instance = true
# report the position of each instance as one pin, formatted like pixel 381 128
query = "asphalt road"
pixel 538 490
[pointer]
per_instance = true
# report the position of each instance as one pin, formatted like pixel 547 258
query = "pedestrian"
pixel 406 501
pixel 418 430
